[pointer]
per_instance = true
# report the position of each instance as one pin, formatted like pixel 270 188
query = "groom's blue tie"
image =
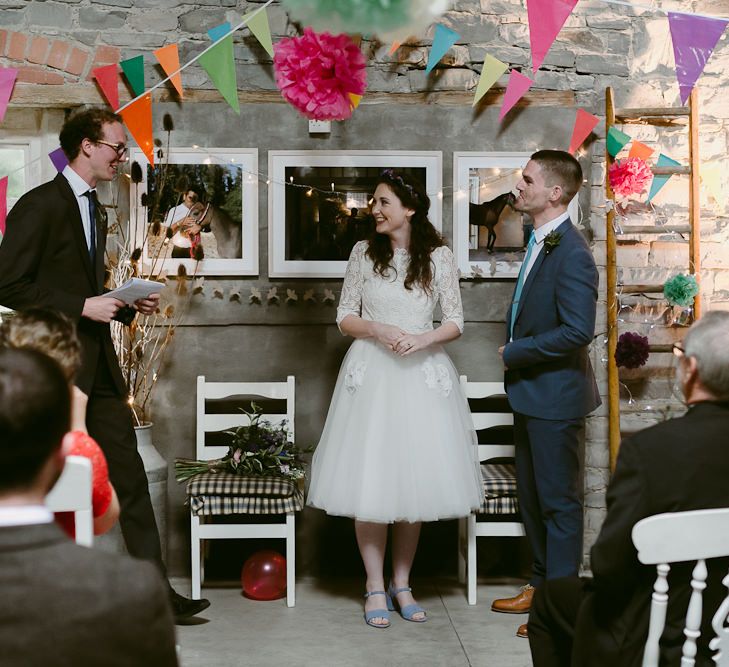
pixel 520 283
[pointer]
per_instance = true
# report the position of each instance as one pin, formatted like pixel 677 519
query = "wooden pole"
pixel 694 199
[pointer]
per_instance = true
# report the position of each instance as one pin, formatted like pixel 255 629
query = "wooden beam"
pixel 694 200
pixel 655 229
pixel 670 171
pixel 77 94
pixel 641 289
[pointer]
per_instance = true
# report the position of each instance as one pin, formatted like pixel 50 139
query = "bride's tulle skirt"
pixel 398 443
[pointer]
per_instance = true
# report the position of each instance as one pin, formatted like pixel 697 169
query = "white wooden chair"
pixel 499 503
pixel 673 538
pixel 243 497
pixel 72 493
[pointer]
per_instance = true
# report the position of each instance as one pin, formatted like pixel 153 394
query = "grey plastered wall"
pixel 226 339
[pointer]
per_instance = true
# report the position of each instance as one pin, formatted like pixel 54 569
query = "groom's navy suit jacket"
pixel 549 373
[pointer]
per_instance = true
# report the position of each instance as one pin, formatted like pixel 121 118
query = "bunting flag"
pixel 395 46
pixel 3 203
pixel 584 124
pixel 169 59
pixel 490 74
pixel 616 140
pixel 138 119
pixel 443 39
pixel 637 149
pixel 133 69
pixel 355 99
pixel 7 81
pixel 694 38
pixel 59 159
pixel 108 79
pixel 219 63
pixel 515 89
pixel 546 18
pixel 260 29
pixel 660 181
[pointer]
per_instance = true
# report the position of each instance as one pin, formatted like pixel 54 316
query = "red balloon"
pixel 264 576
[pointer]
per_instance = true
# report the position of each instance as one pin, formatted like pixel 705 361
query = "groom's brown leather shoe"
pixel 523 631
pixel 519 604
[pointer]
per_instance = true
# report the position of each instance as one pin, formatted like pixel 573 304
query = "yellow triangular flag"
pixel 490 74
pixel 260 29
pixel 355 99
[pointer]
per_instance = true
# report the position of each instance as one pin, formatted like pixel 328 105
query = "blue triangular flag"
pixel 443 39
pixel 219 31
pixel 660 181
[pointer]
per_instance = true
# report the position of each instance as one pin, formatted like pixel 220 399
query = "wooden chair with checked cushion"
pixel 239 497
pixel 498 515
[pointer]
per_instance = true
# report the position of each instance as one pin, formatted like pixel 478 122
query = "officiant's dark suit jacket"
pixel 679 465
pixel 64 605
pixel 45 262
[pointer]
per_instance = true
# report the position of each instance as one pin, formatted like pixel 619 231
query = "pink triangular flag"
pixel 546 18
pixel 515 89
pixel 694 39
pixel 7 81
pixel 3 203
pixel 108 79
pixel 584 124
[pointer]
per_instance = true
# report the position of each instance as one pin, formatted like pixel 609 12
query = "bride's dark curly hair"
pixel 424 238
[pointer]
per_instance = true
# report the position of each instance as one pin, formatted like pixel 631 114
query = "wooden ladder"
pixel 659 117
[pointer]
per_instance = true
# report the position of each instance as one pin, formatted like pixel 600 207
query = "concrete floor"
pixel 326 627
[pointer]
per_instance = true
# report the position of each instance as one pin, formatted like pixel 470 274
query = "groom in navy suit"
pixel 548 378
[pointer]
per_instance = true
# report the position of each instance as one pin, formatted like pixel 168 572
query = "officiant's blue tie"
pixel 520 283
pixel 91 196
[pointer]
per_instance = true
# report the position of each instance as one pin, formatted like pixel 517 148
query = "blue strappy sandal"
pixel 409 610
pixel 369 616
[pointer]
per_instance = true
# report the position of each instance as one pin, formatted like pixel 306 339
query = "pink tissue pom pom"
pixel 317 72
pixel 629 177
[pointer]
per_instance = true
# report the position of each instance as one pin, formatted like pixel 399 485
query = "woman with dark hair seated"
pixel 53 334
pixel 398 446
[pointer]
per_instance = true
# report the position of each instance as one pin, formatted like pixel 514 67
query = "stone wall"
pixel 56 44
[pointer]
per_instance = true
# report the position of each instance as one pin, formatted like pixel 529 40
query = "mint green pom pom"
pixel 681 290
pixel 362 16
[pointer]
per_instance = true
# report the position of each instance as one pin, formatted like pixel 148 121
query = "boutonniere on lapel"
pixel 551 241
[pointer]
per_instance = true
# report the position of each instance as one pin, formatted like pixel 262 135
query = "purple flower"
pixel 632 350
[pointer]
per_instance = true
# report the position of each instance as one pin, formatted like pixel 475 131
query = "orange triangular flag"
pixel 169 58
pixel 138 119
pixel 395 46
pixel 354 99
pixel 637 149
pixel 108 79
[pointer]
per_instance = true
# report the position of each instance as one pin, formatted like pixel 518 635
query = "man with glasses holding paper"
pixel 52 256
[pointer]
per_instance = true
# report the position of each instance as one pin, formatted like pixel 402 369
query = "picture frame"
pixel 318 205
pixel 496 245
pixel 225 203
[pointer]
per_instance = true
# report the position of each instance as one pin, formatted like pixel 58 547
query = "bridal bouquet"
pixel 259 449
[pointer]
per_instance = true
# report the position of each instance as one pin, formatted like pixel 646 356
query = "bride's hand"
pixel 387 334
pixel 409 343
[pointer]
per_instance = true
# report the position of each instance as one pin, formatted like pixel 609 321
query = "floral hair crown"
pixel 390 175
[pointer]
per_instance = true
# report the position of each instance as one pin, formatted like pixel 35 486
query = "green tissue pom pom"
pixel 681 290
pixel 362 16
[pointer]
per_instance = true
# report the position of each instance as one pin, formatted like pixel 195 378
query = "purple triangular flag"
pixel 59 159
pixel 694 38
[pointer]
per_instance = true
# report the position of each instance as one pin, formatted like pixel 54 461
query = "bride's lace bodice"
pixel 384 298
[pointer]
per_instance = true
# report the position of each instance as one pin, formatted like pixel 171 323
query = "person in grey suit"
pixel 63 605
pixel 678 465
pixel 548 376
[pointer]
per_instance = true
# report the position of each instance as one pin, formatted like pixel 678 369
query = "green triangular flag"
pixel 616 140
pixel 661 180
pixel 219 63
pixel 134 71
pixel 260 29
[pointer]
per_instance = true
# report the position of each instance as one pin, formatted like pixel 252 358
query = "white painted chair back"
pixel 72 493
pixel 470 528
pixel 673 538
pixel 202 530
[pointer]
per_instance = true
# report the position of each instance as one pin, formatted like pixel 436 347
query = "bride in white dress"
pixel 398 445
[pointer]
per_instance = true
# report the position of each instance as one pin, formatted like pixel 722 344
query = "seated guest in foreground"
pixel 63 604
pixel 53 334
pixel 681 464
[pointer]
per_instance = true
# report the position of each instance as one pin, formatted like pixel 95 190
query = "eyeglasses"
pixel 678 350
pixel 120 149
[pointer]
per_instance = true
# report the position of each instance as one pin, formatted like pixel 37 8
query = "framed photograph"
pixel 318 205
pixel 199 209
pixel 489 236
